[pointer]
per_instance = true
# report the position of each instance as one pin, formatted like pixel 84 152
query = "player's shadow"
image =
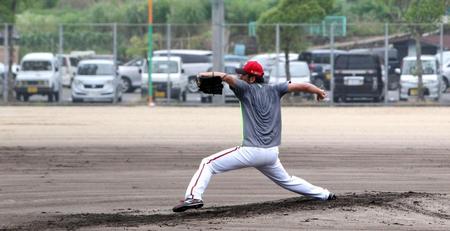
pixel 285 206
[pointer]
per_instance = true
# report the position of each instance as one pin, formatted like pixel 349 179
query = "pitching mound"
pixel 386 210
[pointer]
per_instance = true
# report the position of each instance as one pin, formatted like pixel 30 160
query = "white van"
pixel 194 61
pixel 68 64
pixel 38 75
pixel 409 80
pixel 166 70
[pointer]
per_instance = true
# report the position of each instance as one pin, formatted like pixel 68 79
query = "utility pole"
pixel 218 20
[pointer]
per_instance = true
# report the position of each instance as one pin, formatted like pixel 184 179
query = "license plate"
pixel 160 94
pixel 353 80
pixel 413 91
pixel 32 90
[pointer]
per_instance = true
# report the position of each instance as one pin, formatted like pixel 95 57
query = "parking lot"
pixel 192 98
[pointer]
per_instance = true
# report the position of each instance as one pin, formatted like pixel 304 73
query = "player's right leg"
pixel 223 161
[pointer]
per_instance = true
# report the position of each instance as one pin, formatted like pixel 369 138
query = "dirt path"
pixel 92 168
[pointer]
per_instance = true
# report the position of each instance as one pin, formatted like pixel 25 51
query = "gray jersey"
pixel 261 112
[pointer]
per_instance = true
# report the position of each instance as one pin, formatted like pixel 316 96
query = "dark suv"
pixel 358 77
pixel 319 65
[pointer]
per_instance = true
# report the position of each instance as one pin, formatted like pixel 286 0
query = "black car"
pixel 319 65
pixel 393 63
pixel 358 77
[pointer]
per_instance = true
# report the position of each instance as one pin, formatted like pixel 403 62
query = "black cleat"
pixel 188 204
pixel 331 197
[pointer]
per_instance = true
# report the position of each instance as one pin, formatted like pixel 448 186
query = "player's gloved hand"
pixel 210 83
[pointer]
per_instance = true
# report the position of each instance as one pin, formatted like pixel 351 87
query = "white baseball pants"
pixel 264 159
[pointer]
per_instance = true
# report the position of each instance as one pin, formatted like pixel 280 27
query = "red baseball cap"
pixel 251 68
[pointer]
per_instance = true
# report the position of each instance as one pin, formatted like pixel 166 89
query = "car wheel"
pixel 192 85
pixel 206 99
pixel 126 83
pixel 444 85
pixel 319 83
pixel 50 97
pixel 57 96
pixel 336 99
pixel 76 100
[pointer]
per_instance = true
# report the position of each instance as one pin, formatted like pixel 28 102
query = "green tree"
pixel 295 12
pixel 8 12
pixel 423 16
pixel 238 11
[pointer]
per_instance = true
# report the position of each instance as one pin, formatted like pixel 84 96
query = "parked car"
pixel 409 80
pixel 235 59
pixel 393 63
pixel 2 76
pixel 130 74
pixel 445 56
pixel 96 80
pixel 445 77
pixel 229 68
pixel 319 62
pixel 267 60
pixel 299 70
pixel 194 62
pixel 358 77
pixel 68 65
pixel 38 74
pixel 166 72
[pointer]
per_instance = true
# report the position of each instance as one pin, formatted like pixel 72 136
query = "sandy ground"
pixel 123 168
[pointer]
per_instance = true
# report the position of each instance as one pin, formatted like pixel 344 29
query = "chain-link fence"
pixel 356 63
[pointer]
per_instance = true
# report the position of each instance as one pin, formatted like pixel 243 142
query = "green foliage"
pixel 425 11
pixel 137 47
pixel 369 10
pixel 238 11
pixel 292 38
pixel 193 11
pixel 292 11
pixel 161 11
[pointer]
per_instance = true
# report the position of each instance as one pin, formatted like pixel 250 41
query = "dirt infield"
pixel 123 168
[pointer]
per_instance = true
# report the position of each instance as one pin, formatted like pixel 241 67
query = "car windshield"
pixel 135 62
pixel 36 66
pixel 296 69
pixel 164 67
pixel 95 69
pixel 428 67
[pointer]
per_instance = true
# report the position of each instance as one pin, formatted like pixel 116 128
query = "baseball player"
pixel 260 104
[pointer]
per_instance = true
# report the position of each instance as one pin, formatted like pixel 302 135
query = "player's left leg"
pixel 278 174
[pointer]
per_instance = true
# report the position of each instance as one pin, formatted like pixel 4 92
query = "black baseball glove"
pixel 210 84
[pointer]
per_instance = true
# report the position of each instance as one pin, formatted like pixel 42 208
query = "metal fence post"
pixel 441 57
pixel 277 50
pixel 115 56
pixel 6 57
pixel 60 58
pixel 386 63
pixel 332 63
pixel 169 83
